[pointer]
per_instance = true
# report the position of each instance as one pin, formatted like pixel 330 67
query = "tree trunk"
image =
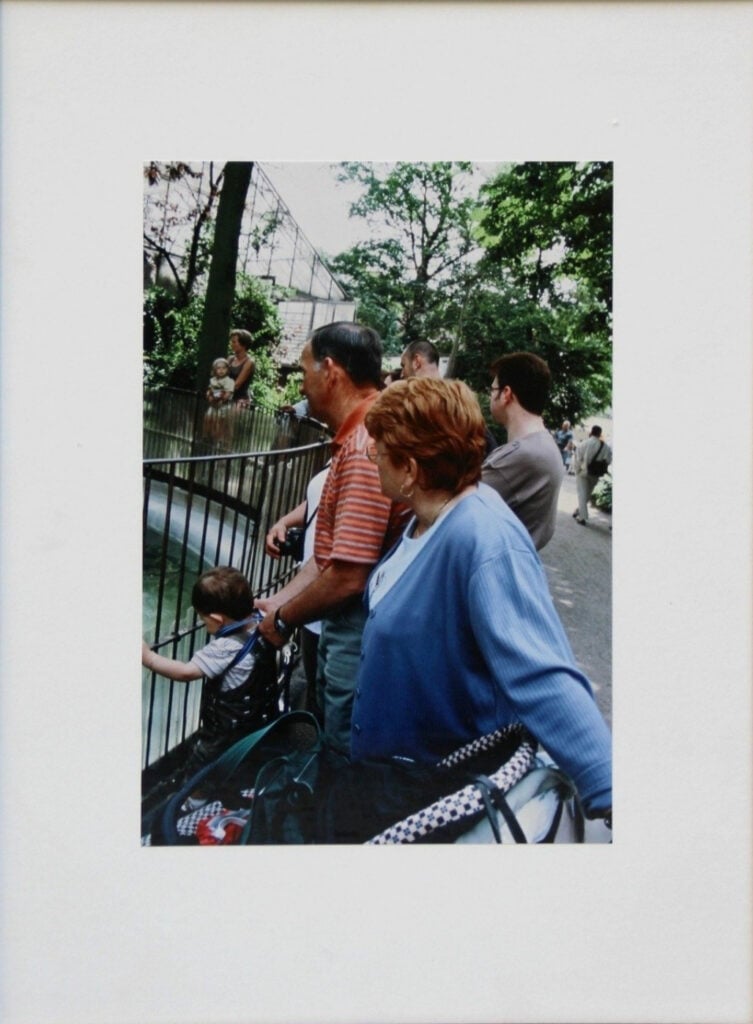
pixel 215 323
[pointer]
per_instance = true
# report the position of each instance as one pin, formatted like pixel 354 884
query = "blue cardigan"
pixel 468 640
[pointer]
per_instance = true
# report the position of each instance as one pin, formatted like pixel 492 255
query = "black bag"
pixel 597 467
pixel 319 796
pixel 229 782
pixel 227 717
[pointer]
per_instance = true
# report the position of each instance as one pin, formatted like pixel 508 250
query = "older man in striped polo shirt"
pixel 355 525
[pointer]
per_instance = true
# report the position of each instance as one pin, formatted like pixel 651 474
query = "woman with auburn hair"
pixel 462 637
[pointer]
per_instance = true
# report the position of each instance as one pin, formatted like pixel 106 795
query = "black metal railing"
pixel 178 423
pixel 200 511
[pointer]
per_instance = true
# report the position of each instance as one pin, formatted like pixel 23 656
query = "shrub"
pixel 171 334
pixel 602 494
pixel 264 387
pixel 255 310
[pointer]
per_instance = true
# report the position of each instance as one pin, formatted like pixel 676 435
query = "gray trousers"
pixel 585 485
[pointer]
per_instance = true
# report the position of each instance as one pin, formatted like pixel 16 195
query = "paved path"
pixel 578 563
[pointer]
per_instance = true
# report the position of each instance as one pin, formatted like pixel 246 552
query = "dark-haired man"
pixel 355 523
pixel 420 359
pixel 527 470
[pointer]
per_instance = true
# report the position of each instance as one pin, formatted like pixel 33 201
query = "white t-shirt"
pixel 313 494
pixel 386 575
pixel 219 384
pixel 217 655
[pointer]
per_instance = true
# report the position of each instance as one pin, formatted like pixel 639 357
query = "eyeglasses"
pixel 371 452
pixel 499 388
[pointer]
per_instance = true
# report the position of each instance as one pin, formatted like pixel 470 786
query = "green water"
pixel 173 590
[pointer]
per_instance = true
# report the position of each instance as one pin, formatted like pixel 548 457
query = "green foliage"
pixel 602 494
pixel 254 309
pixel 544 283
pixel 499 321
pixel 366 272
pixel 291 392
pixel 549 225
pixel 171 333
pixel 422 222
pixel 264 387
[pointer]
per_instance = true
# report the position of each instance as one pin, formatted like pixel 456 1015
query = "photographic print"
pixel 498 276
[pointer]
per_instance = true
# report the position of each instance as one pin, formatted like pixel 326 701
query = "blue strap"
pixel 248 646
pixel 234 627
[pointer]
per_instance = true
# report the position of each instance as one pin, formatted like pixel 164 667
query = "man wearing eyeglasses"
pixel 355 523
pixel 527 470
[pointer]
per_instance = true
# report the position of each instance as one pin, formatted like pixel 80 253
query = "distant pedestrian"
pixel 527 471
pixel 592 459
pixel 569 467
pixel 564 439
pixel 241 366
pixel 420 359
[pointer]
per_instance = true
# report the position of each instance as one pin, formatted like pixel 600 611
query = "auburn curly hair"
pixel 438 423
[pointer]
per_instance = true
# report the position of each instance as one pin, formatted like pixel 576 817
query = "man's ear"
pixel 217 618
pixel 331 370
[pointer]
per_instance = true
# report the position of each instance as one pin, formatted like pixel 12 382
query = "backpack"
pixel 597 466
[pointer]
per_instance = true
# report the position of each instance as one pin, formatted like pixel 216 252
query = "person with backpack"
pixel 592 459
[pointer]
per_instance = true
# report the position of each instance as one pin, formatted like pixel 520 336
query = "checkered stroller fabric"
pixel 466 803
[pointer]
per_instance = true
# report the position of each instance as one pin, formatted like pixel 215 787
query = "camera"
pixel 293 543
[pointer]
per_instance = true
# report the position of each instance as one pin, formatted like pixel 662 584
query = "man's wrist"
pixel 283 628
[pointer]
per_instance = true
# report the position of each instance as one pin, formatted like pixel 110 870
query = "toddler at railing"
pixel 241 672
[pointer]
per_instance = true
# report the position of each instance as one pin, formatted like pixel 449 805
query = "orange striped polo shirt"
pixel 355 521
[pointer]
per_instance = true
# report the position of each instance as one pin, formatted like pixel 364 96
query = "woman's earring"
pixel 403 493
